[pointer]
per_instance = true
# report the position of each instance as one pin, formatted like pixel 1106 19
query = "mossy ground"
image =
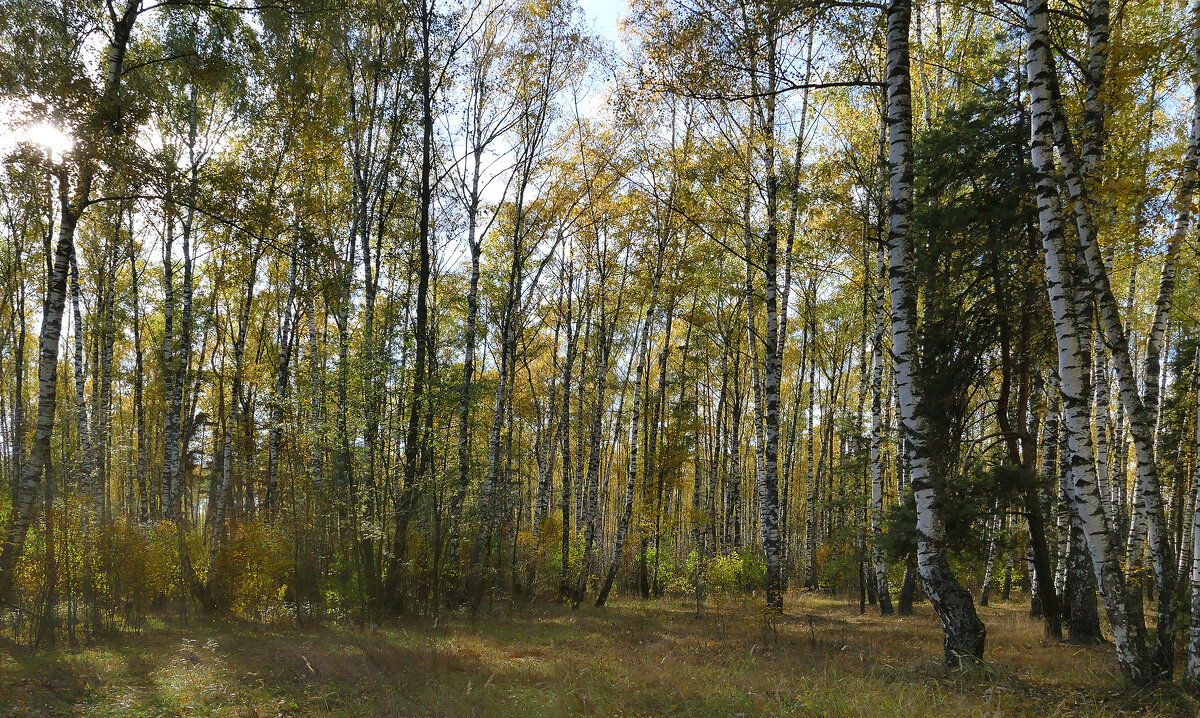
pixel 633 658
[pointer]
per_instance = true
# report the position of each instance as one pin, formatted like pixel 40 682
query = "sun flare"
pixel 48 136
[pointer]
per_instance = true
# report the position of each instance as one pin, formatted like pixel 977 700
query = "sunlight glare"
pixel 48 136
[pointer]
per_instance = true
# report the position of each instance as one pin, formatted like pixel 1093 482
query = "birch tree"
pixel 75 177
pixel 965 633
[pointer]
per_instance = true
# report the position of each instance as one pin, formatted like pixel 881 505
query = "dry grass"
pixel 632 659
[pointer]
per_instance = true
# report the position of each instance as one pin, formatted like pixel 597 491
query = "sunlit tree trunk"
pixel 1140 409
pixel 564 588
pixel 1082 487
pixel 591 501
pixel 410 492
pixel 236 417
pixel 73 204
pixel 989 569
pixel 810 501
pixel 143 453
pixel 964 632
pixel 631 468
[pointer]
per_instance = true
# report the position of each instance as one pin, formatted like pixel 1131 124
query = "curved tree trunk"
pixel 73 205
pixel 965 633
pixel 1082 487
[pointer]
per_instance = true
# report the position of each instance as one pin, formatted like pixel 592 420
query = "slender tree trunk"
pixel 139 409
pixel 564 588
pixel 1140 410
pixel 87 469
pixel 468 371
pixel 286 332
pixel 406 505
pixel 39 455
pixel 219 501
pixel 876 509
pixel 1191 669
pixel 592 479
pixel 643 352
pixel 810 502
pixel 989 570
pixel 1082 486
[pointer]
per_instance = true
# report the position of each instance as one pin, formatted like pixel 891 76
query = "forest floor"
pixel 634 658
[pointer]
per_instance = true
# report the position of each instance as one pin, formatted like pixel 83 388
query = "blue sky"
pixel 603 14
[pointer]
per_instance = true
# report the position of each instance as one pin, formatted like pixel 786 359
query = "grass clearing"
pixel 633 658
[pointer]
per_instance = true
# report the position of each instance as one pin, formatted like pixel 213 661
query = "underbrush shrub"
pixel 753 573
pixel 137 566
pixel 683 581
pixel 839 565
pixel 661 567
pixel 552 569
pixel 728 572
pixel 257 562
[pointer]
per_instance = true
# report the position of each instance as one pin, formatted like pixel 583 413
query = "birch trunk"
pixel 30 477
pixel 73 205
pixel 565 424
pixel 414 447
pixel 219 502
pixel 810 502
pixel 87 468
pixel 1140 410
pixel 631 465
pixel 1191 668
pixel 591 501
pixel 877 559
pixel 286 332
pixel 1083 624
pixel 1082 489
pixel 103 413
pixel 168 506
pixel 468 371
pixel 965 633
pixel 143 454
pixel 631 468
pixel 989 569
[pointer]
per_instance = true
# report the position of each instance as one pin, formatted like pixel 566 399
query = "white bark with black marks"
pixel 965 634
pixel 1082 488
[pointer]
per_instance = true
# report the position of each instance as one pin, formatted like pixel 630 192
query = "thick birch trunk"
pixel 1083 624
pixel 73 204
pixel 39 455
pixel 965 633
pixel 1140 410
